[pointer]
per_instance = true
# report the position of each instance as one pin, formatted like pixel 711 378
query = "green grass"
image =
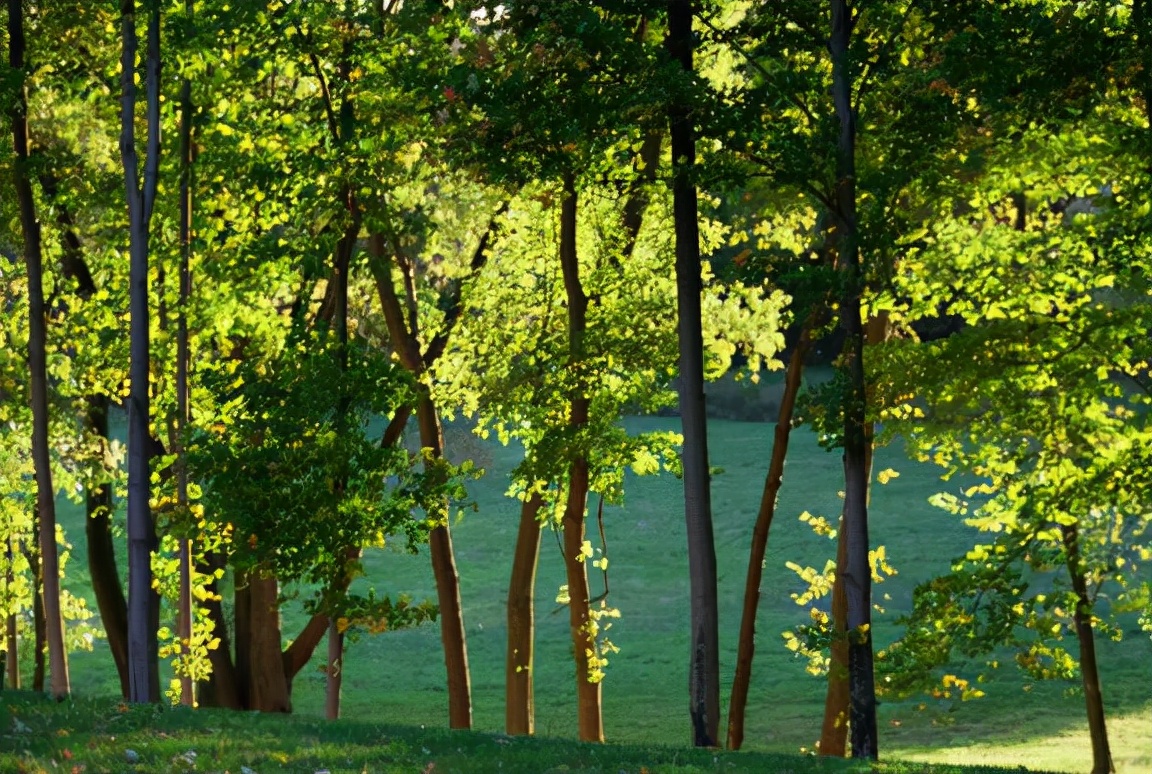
pixel 90 736
pixel 398 677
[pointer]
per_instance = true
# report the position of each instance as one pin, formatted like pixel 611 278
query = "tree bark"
pixel 39 624
pixel 704 669
pixel 747 644
pixel 857 571
pixel 1089 669
pixel 220 690
pixel 11 640
pixel 102 552
pixel 590 721
pixel 37 360
pixel 268 688
pixel 143 611
pixel 837 699
pixel 335 667
pixel 183 366
pixel 519 702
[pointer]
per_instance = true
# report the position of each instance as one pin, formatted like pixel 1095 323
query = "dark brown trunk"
pixel 242 617
pixel 588 702
pixel 1089 670
pixel 268 689
pixel 704 658
pixel 143 608
pixel 39 625
pixel 220 690
pixel 747 644
pixel 102 567
pixel 857 570
pixel 11 640
pixel 37 360
pixel 519 703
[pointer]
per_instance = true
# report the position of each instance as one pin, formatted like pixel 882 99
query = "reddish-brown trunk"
pixel 220 690
pixel 772 482
pixel 519 705
pixel 447 582
pixel 591 724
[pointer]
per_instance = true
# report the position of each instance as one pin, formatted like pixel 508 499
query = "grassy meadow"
pixel 397 677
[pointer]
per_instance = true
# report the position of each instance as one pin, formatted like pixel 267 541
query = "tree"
pixel 704 658
pixel 37 347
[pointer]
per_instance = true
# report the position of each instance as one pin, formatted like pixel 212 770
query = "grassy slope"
pixel 398 677
pixel 38 736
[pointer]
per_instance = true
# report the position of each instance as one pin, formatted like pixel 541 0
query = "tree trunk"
pixel 519 706
pixel 11 640
pixel 704 670
pixel 268 687
pixel 590 721
pixel 857 570
pixel 183 365
pixel 447 581
pixel 747 645
pixel 37 360
pixel 39 624
pixel 143 618
pixel 1089 670
pixel 102 568
pixel 220 690
pixel 242 617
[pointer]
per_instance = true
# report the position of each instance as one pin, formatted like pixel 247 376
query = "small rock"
pixel 132 757
pixel 18 727
pixel 246 770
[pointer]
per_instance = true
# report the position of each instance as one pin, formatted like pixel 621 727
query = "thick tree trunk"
pixel 268 686
pixel 242 618
pixel 588 702
pixel 1089 669
pixel 772 482
pixel 102 568
pixel 857 570
pixel 704 669
pixel 220 690
pixel 143 610
pixel 519 703
pixel 37 360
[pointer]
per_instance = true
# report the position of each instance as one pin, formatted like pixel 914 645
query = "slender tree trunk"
pixel 704 670
pixel 11 640
pixel 37 359
pixel 837 700
pixel 857 570
pixel 591 724
pixel 772 482
pixel 519 703
pixel 39 624
pixel 1089 669
pixel 143 618
pixel 102 551
pixel 447 582
pixel 335 667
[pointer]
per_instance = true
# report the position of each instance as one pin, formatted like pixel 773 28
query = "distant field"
pixel 398 677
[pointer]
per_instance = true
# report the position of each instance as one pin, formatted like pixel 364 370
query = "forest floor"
pixel 399 676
